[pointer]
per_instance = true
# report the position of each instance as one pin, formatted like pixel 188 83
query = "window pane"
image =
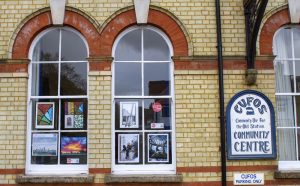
pixel 285 111
pixel 128 148
pixel 73 79
pixel 74 114
pixel 73 148
pixel 45 114
pixel 297 71
pixel 157 79
pixel 47 49
pixel 72 47
pixel 158 148
pixel 44 148
pixel 44 79
pixel 129 47
pixel 128 79
pixel 284 76
pixel 155 47
pixel 296 32
pixel 157 114
pixel 283 45
pixel 128 114
pixel 287 144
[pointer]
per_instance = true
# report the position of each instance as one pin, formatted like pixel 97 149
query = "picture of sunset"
pixel 73 145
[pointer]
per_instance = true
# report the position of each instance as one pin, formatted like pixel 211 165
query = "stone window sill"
pixel 23 179
pixel 287 174
pixel 167 178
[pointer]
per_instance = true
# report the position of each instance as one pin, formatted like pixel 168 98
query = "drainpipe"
pixel 221 93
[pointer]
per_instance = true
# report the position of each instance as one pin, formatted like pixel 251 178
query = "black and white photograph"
pixel 158 148
pixel 129 115
pixel 128 145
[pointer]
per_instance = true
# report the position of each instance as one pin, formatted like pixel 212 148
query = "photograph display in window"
pixel 128 146
pixel 129 115
pixel 44 115
pixel 158 148
pixel 74 115
pixel 71 145
pixel 44 144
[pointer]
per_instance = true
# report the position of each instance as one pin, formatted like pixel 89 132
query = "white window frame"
pixel 57 169
pixel 289 165
pixel 145 168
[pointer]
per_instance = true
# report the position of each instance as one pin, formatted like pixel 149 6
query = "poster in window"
pixel 44 144
pixel 128 145
pixel 129 115
pixel 44 115
pixel 158 148
pixel 73 145
pixel 74 112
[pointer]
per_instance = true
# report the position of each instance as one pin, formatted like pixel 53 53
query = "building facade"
pixel 98 99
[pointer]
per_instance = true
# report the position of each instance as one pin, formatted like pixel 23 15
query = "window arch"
pixel 57 103
pixel 143 136
pixel 286 45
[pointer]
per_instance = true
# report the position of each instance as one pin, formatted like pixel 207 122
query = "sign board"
pixel 250 126
pixel 248 179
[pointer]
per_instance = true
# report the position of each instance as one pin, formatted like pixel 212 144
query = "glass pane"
pixel 45 114
pixel 283 45
pixel 284 76
pixel 73 79
pixel 128 114
pixel 47 48
pixel 285 111
pixel 287 144
pixel 158 148
pixel 157 114
pixel 74 114
pixel 155 47
pixel 128 79
pixel 128 148
pixel 73 148
pixel 297 72
pixel 157 79
pixel 44 148
pixel 297 99
pixel 129 47
pixel 44 79
pixel 296 32
pixel 72 47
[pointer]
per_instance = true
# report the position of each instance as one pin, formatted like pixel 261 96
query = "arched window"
pixel 57 97
pixel 143 103
pixel 286 46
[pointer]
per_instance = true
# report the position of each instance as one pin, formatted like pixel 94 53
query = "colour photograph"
pixel 73 145
pixel 44 144
pixel 158 148
pixel 74 115
pixel 44 115
pixel 128 146
pixel 129 115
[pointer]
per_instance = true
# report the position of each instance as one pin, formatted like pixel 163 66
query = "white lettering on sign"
pixel 250 126
pixel 248 179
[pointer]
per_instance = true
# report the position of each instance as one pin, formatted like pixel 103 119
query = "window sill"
pixel 55 179
pixel 287 174
pixel 142 178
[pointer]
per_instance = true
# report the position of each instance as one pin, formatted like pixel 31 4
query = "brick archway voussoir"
pixel 272 24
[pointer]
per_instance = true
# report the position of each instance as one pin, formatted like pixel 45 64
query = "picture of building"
pixel 148 92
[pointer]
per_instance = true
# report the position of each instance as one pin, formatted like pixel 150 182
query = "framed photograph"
pixel 73 113
pixel 128 148
pixel 44 144
pixel 129 115
pixel 158 148
pixel 71 145
pixel 45 115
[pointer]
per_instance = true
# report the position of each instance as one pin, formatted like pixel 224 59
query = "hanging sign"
pixel 156 107
pixel 250 126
